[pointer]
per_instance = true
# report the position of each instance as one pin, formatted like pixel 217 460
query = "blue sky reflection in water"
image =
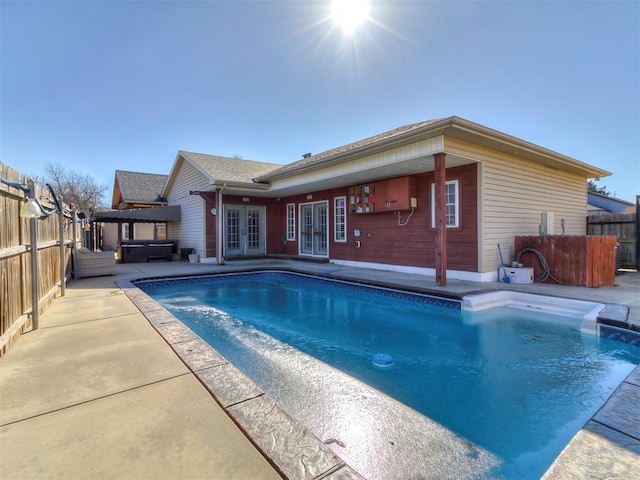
pixel 517 385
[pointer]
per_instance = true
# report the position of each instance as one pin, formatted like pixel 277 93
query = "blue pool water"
pixel 516 384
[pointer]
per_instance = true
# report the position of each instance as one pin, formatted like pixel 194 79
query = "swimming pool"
pixel 514 386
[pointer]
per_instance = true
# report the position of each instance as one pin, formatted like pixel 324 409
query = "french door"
pixel 244 230
pixel 314 229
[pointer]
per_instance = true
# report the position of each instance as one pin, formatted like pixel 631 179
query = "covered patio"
pixel 132 250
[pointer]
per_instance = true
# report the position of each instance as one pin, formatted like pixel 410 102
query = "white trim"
pixel 291 238
pixel 312 203
pixel 456 183
pixel 243 226
pixel 209 260
pixel 428 272
pixel 304 179
pixel 566 307
pixel 335 218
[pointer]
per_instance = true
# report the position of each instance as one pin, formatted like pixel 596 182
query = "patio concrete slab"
pixel 61 366
pixel 171 429
pixel 97 393
pixel 93 305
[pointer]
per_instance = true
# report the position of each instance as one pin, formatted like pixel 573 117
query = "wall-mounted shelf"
pixel 362 198
pixel 392 195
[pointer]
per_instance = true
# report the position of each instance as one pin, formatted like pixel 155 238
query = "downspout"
pixel 219 225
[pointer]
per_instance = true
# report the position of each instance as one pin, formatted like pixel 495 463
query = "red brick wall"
pixel 382 239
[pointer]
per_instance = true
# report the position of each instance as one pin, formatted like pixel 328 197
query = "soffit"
pixel 333 178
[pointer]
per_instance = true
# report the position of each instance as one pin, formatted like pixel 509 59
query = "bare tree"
pixel 75 187
pixel 595 188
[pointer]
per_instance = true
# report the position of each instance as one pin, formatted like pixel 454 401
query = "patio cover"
pixel 140 215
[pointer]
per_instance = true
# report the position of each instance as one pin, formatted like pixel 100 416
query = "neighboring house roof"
pixel 137 188
pixel 610 204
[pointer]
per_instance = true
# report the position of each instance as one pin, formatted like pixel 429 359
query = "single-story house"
pixel 435 197
pixel 600 204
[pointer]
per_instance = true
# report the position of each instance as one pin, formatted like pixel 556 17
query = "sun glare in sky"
pixel 349 14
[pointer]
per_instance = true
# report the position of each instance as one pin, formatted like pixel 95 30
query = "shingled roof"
pixel 227 169
pixel 454 127
pixel 344 149
pixel 137 188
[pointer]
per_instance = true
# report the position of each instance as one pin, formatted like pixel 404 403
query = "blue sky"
pixel 105 85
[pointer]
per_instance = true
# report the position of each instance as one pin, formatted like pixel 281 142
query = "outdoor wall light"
pixel 32 210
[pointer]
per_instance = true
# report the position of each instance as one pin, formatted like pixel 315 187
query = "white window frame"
pixel 340 219
pixel 291 222
pixel 455 204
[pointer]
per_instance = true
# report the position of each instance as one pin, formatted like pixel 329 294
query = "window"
pixel 451 201
pixel 125 231
pixel 340 219
pixel 161 231
pixel 291 221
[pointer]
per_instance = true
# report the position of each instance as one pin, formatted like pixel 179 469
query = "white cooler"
pixel 516 275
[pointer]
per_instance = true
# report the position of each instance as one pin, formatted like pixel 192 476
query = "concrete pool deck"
pixel 96 392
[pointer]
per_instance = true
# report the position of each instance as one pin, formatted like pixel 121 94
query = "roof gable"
pixel 137 188
pixel 221 169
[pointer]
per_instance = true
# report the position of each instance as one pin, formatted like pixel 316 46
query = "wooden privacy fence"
pixel 587 261
pixel 625 227
pixel 15 259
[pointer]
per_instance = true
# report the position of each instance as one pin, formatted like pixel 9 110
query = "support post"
pixel 73 244
pixel 440 220
pixel 219 226
pixel 63 270
pixel 637 232
pixel 33 228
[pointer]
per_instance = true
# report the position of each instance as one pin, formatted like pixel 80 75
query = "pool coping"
pixel 295 452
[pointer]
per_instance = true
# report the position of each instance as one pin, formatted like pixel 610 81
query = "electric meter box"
pixel 516 275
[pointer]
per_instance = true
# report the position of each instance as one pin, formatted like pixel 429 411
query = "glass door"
pixel 254 226
pixel 244 229
pixel 314 229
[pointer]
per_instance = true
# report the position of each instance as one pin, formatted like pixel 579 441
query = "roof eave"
pixel 466 130
pixel 459 128
pixel 253 185
pixel 431 130
pixel 220 184
pixel 144 202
